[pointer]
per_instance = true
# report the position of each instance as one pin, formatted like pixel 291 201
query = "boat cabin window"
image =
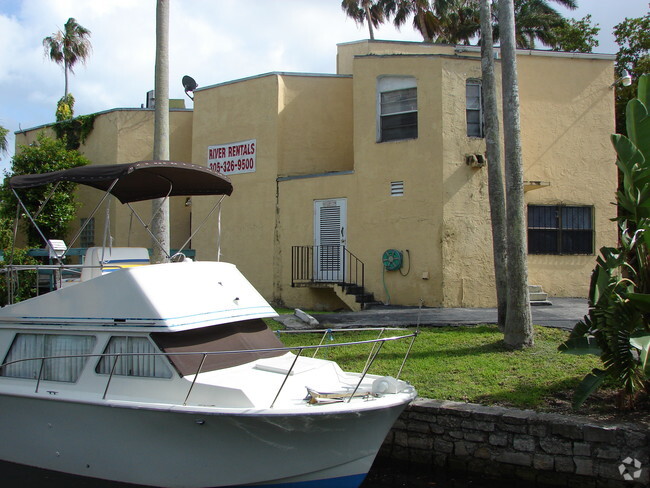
pixel 52 357
pixel 136 356
pixel 247 335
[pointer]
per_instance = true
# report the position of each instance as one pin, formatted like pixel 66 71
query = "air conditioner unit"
pixel 475 160
pixel 151 99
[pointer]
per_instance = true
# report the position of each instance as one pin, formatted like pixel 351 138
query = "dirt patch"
pixel 602 406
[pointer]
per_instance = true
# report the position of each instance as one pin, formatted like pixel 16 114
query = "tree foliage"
pixel 535 21
pixel 74 131
pixel 364 11
pixel 617 327
pixel 421 11
pixel 633 38
pixel 65 108
pixel 458 21
pixel 43 156
pixel 3 139
pixel 576 36
pixel 455 21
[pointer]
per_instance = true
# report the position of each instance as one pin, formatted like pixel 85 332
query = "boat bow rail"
pixel 363 387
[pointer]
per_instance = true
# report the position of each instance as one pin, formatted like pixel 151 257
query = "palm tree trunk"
pixel 495 173
pixel 65 77
pixel 160 206
pixel 423 25
pixel 518 329
pixel 369 20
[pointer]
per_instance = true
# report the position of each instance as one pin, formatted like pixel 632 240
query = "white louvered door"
pixel 329 239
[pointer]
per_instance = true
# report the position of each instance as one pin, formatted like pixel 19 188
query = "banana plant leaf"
pixel 643 90
pixel 642 343
pixel 588 385
pixel 640 301
pixel 580 346
pixel 638 123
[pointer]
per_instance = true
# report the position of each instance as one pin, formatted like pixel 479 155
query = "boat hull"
pixel 181 447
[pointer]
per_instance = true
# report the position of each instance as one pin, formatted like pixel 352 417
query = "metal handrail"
pixel 303 259
pixel 198 371
pixel 286 376
pixel 371 358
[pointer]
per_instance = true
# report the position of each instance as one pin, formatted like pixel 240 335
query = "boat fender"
pixel 387 384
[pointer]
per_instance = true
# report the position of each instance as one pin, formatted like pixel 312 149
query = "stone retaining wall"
pixel 552 449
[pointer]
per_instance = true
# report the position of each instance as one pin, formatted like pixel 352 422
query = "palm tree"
pixel 458 21
pixel 3 139
pixel 364 11
pixel 68 47
pixel 518 328
pixel 160 206
pixel 496 192
pixel 423 18
pixel 535 20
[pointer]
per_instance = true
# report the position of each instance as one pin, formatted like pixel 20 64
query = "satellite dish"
pixel 190 85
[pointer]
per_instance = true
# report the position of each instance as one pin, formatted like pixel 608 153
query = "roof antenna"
pixel 190 85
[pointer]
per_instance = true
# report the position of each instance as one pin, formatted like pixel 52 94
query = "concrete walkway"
pixel 562 313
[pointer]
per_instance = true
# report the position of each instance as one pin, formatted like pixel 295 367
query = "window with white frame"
pixel 133 356
pixel 49 357
pixel 397 108
pixel 474 108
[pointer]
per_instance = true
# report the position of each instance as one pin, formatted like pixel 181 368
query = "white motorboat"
pixel 167 375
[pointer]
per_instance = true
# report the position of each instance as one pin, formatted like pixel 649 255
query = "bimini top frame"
pixel 133 182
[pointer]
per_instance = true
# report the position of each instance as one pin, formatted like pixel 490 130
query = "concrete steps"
pixel 354 296
pixel 537 296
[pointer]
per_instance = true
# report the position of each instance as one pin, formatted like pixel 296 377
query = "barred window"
pixel 554 229
pixel 87 237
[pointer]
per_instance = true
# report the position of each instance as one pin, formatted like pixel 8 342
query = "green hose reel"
pixel 392 259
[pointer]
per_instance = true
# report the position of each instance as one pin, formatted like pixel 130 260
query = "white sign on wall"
pixel 233 158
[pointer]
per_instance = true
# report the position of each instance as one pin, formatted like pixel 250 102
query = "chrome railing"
pixel 49 276
pixel 313 265
pixel 377 345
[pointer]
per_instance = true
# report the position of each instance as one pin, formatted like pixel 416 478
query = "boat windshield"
pixel 236 336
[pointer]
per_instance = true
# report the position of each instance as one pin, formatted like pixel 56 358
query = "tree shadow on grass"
pixel 550 396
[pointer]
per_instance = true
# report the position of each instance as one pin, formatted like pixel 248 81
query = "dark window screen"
pixel 560 230
pixel 236 336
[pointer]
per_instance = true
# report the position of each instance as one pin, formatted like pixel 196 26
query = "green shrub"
pixel 617 326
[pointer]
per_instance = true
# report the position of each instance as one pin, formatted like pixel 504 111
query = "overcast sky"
pixel 211 40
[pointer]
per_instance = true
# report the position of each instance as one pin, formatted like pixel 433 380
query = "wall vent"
pixel 396 188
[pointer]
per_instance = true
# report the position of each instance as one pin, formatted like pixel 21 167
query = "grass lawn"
pixel 470 364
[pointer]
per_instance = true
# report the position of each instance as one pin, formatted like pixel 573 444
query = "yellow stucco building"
pixel 332 171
